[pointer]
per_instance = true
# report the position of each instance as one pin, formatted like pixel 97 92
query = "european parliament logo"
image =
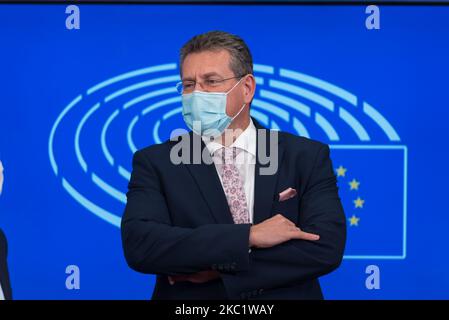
pixel 92 141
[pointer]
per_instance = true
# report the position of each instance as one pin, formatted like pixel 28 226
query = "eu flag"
pixel 372 184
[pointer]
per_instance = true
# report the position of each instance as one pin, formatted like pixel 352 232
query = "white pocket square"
pixel 287 194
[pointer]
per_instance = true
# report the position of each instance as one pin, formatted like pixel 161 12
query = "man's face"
pixel 214 65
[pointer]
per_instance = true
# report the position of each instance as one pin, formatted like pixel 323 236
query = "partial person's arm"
pixel 1 178
pixel 153 245
pixel 295 261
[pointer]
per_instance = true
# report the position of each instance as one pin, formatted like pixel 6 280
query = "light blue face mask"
pixel 205 112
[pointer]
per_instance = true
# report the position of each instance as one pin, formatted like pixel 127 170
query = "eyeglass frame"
pixel 179 84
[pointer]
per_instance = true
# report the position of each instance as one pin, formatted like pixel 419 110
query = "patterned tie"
pixel 233 185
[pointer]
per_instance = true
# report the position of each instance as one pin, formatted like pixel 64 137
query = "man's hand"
pixel 199 277
pixel 277 230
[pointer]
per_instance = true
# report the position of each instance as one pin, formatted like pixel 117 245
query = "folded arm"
pixel 295 261
pixel 153 245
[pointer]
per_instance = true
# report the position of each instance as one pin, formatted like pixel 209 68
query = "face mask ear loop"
pixel 235 85
pixel 241 109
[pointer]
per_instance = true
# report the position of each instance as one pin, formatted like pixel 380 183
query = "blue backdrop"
pixel 75 105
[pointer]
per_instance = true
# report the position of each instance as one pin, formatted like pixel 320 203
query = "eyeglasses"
pixel 187 86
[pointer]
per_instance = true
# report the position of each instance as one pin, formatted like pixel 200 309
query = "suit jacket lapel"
pixel 207 180
pixel 209 184
pixel 265 185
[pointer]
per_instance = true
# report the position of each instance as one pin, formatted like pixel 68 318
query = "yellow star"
pixel 359 202
pixel 354 184
pixel 354 221
pixel 341 171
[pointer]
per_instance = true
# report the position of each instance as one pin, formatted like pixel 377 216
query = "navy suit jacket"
pixel 177 221
pixel 4 275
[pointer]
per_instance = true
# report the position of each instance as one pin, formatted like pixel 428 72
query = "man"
pixel 5 288
pixel 222 228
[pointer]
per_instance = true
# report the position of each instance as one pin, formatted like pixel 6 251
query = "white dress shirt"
pixel 245 161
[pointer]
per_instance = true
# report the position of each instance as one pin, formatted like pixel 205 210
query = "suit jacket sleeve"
pixel 153 245
pixel 296 261
pixel 4 274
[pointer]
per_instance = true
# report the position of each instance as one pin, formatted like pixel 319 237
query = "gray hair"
pixel 241 60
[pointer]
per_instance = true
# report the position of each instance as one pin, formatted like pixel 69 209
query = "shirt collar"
pixel 245 141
